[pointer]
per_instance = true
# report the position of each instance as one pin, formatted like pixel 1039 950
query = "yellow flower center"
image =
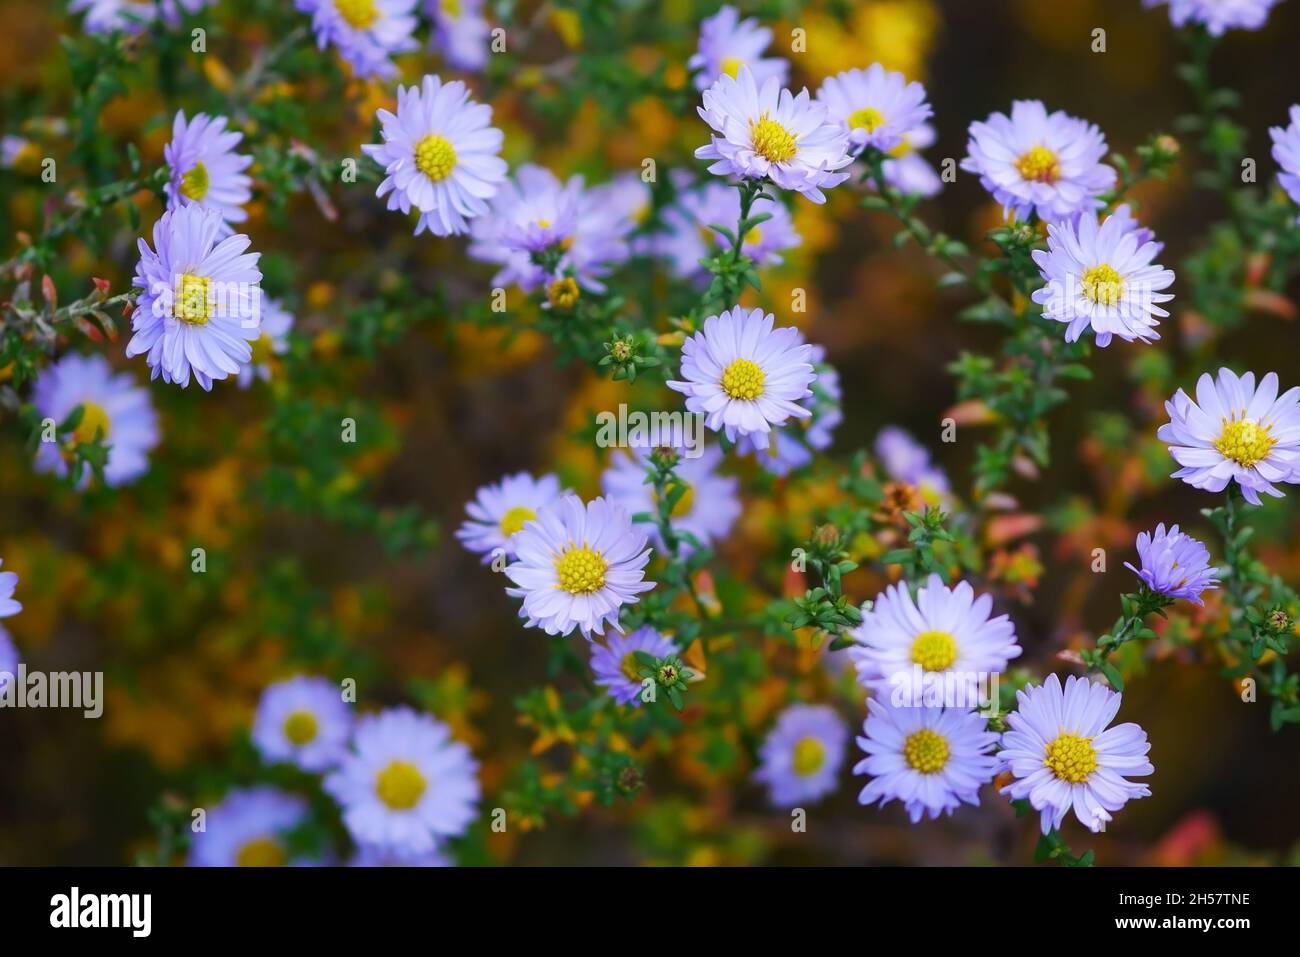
pixel 1071 758
pixel 581 571
pixel 263 348
pixel 400 785
pixel 934 650
pixel 771 140
pixel 753 237
pixel 300 728
pixel 94 423
pixel 194 302
pixel 435 157
pixel 1039 165
pixel 743 379
pixel 450 8
pixel 684 504
pixel 867 118
pixel 1245 441
pixel 731 66
pixel 194 184
pixel 513 520
pixel 809 756
pixel 630 667
pixel 360 14
pixel 926 751
pixel 563 293
pixel 1103 285
pixel 902 149
pixel 261 852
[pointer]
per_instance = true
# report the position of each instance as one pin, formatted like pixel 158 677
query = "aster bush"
pixel 558 458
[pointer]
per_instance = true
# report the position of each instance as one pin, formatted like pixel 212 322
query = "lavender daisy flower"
pixel 1063 756
pixel 1286 151
pixel 205 169
pixel 578 565
pixel 1101 276
pixel 1035 161
pixel 767 132
pixel 792 446
pixel 707 511
pixel 909 172
pixel 908 461
pixel 1235 432
pixel 688 238
pixel 368 855
pixel 248 829
pixel 8 582
pixel 460 32
pixel 367 33
pixel 131 16
pixel 406 785
pixel 727 43
pixel 745 376
pixel 114 409
pixel 303 721
pixel 1219 16
pixel 801 757
pixel 946 634
pixel 500 510
pixel 878 107
pixel 616 668
pixel 931 759
pixel 1174 564
pixel 274 341
pixel 200 302
pixel 8 659
pixel 439 155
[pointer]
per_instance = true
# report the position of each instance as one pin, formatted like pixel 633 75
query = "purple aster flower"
pixel 879 108
pixel 745 376
pixel 200 302
pixel 274 341
pixel 792 446
pixel 767 132
pixel 801 756
pixel 1102 276
pixel 1286 151
pixel 906 170
pixel 616 668
pixel 727 43
pixel 707 511
pixel 367 33
pixel 131 16
pixel 1219 16
pixel 248 829
pixel 303 721
pixel 369 855
pixel 500 510
pixel 1035 161
pixel 8 658
pixel 1174 564
pixel 908 461
pixel 578 565
pixel 113 407
pixel 1063 755
pixel 688 238
pixel 931 759
pixel 440 156
pixel 460 32
pixel 205 169
pixel 8 582
pixel 1235 432
pixel 406 786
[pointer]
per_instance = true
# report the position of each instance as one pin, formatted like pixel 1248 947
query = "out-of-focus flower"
pixel 460 32
pixel 303 721
pixel 131 16
pixel 768 132
pixel 616 668
pixel 879 108
pixel 406 785
pixel 500 510
pixel 248 829
pixel 707 510
pixel 205 169
pixel 8 656
pixel 931 759
pixel 1102 276
pixel 440 155
pixel 577 566
pixel 688 238
pixel 274 341
pixel 727 43
pixel 946 634
pixel 906 460
pixel 114 409
pixel 792 445
pixel 1235 432
pixel 909 172
pixel 801 757
pixel 1174 564
pixel 8 582
pixel 200 302
pixel 367 33
pixel 1218 16
pixel 1286 151
pixel 368 855
pixel 744 375
pixel 19 153
pixel 1063 756
pixel 1035 161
